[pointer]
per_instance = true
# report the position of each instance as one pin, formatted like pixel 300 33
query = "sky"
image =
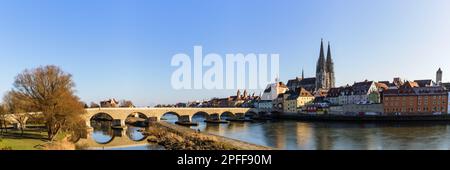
pixel 123 48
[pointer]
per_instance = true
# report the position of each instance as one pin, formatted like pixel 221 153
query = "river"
pixel 297 135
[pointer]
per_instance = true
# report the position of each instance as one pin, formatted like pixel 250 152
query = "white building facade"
pixel 271 94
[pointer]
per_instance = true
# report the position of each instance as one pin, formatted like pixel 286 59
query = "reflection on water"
pixel 135 133
pixel 169 118
pixel 103 133
pixel 293 135
pixel 129 137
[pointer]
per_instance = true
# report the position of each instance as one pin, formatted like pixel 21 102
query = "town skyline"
pixel 115 52
pixel 258 92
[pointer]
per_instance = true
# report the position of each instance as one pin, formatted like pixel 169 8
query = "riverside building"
pixel 412 99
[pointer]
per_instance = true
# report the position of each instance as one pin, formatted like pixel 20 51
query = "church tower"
pixel 330 69
pixel 321 74
pixel 303 74
pixel 439 77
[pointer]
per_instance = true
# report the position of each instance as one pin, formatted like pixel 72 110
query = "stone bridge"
pixel 156 113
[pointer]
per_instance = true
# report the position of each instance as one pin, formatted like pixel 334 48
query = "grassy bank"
pixel 174 137
pixel 31 139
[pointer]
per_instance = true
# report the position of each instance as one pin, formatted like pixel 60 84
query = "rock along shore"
pixel 174 137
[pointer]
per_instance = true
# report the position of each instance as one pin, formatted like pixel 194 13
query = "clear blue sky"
pixel 123 49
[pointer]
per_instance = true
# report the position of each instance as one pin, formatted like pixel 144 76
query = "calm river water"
pixel 295 135
pixel 131 138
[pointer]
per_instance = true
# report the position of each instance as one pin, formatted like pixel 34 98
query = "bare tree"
pixel 50 91
pixel 85 105
pixel 126 103
pixel 94 105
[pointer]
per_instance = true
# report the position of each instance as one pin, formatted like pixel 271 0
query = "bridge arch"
pixel 101 116
pixel 136 119
pixel 101 124
pixel 227 114
pixel 138 115
pixel 170 116
pixel 200 114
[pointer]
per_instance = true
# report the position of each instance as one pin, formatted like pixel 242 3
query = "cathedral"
pixel 324 79
pixel 325 70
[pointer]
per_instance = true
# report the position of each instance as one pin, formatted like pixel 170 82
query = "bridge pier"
pixel 214 116
pixel 184 118
pixel 124 132
pixel 89 133
pixel 240 115
pixel 152 119
pixel 88 123
pixel 119 123
pixel 122 123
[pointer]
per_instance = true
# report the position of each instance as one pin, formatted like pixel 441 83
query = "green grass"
pixel 22 144
pixel 31 140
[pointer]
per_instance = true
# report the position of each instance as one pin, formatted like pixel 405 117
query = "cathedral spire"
pixel 321 71
pixel 329 50
pixel 329 61
pixel 321 61
pixel 330 69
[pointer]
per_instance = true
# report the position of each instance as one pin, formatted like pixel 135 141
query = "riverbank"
pixel 34 139
pixel 174 137
pixel 362 118
pixel 31 139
